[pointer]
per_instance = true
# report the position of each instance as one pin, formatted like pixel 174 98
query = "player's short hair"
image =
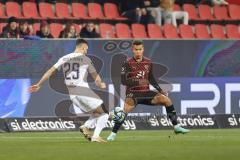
pixel 79 42
pixel 137 42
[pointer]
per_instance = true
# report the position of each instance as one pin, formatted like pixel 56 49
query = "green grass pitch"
pixel 218 144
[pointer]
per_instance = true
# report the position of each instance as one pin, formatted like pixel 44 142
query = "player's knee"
pixel 129 102
pixel 167 101
pixel 158 100
pixel 99 110
pixel 162 100
pixel 129 105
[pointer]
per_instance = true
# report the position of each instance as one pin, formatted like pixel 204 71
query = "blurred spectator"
pixel 214 2
pixel 131 10
pixel 219 2
pixel 89 31
pixel 171 16
pixel 69 32
pixel 25 29
pixel 11 29
pixel 135 10
pixel 146 17
pixel 44 30
pixel 153 6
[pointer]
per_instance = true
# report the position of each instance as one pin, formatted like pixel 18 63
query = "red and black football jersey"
pixel 133 72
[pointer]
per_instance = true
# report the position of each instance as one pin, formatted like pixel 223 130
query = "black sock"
pixel 117 125
pixel 171 112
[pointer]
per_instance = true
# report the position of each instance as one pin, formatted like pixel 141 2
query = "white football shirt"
pixel 75 68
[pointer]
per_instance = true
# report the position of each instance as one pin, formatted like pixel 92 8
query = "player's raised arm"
pixel 124 79
pixel 37 86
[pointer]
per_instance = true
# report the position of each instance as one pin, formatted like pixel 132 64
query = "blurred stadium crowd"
pixel 189 19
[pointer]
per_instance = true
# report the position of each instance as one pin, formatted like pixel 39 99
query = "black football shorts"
pixel 142 97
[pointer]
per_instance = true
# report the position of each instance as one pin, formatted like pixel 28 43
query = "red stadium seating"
pixel 106 30
pixel 62 10
pixel 2 25
pixel 36 27
pixel 46 10
pixel 234 11
pixel 217 31
pixel 2 12
pixel 123 30
pixel 79 10
pixel 176 7
pixel 170 31
pixel 186 31
pixel 56 28
pixel 154 31
pixel 220 12
pixel 232 31
pixel 201 31
pixel 111 11
pixel 192 12
pixel 233 2
pixel 13 9
pixel 138 31
pixel 95 11
pixel 78 28
pixel 30 10
pixel 205 12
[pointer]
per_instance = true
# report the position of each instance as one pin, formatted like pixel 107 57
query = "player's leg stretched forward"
pixel 99 117
pixel 159 99
pixel 129 105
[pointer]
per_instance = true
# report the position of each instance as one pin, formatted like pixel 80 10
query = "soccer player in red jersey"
pixel 137 76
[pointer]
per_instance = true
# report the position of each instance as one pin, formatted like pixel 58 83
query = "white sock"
pixel 90 122
pixel 101 123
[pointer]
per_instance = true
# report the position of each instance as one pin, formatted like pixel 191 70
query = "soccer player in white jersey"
pixel 75 67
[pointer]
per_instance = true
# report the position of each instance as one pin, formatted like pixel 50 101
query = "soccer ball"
pixel 117 114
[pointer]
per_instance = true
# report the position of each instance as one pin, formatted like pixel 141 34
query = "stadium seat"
pixel 234 11
pixel 138 31
pixel 62 10
pixel 106 30
pixel 78 28
pixel 79 10
pixel 201 31
pixel 205 12
pixel 220 12
pixel 13 9
pixel 56 28
pixel 217 31
pixel 186 31
pixel 192 12
pixel 30 10
pixel 95 11
pixel 111 11
pixel 176 7
pixel 46 10
pixel 170 31
pixel 1 26
pixel 232 31
pixel 154 31
pixel 36 27
pixel 123 30
pixel 233 2
pixel 2 12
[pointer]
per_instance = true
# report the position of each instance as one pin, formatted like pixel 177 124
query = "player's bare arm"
pixel 98 80
pixel 37 86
